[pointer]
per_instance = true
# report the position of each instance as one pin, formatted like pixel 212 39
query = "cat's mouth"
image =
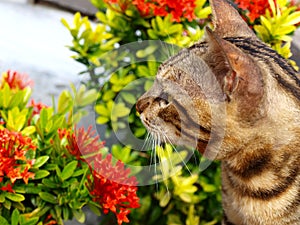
pixel 162 133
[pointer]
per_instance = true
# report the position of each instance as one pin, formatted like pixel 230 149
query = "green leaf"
pixel 2 197
pixel 14 197
pixel 102 110
pixel 102 120
pixel 17 118
pixel 108 95
pixel 128 97
pixel 94 207
pixel 66 213
pixel 88 98
pixel 29 221
pixel 41 174
pixel 15 217
pixel 69 170
pixel 49 183
pixel 3 221
pixel 140 132
pixel 29 130
pixel 120 110
pixel 65 102
pixel 65 23
pixel 165 200
pixel 40 161
pixel 293 19
pixel 7 205
pixel 79 215
pixel 48 197
pixel 186 197
pixel 146 52
pixel 266 23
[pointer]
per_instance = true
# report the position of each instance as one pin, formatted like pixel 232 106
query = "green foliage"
pixel 57 188
pixel 277 25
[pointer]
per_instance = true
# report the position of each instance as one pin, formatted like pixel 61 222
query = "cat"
pixel 235 100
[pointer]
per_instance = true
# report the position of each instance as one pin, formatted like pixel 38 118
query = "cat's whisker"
pixel 175 149
pixel 146 142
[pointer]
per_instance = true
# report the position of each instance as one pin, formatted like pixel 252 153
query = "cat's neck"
pixel 259 165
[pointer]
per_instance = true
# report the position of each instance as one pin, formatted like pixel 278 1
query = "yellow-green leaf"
pixel 48 197
pixel 69 170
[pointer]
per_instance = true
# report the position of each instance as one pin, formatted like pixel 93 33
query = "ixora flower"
pixel 112 187
pixel 13 163
pixel 177 8
pixel 16 80
pixel 254 8
pixel 80 143
pixel 37 107
pixel 108 184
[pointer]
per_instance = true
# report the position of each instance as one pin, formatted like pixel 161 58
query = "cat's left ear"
pixel 242 75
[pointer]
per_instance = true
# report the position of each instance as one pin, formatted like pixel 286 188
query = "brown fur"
pixel 235 100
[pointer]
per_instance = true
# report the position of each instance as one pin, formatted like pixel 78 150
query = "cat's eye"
pixel 164 99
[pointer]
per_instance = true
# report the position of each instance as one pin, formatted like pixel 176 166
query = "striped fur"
pixel 233 82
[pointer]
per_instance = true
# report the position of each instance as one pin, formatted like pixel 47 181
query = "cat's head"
pixel 205 89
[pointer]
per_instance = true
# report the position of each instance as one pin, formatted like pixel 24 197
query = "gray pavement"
pixel 32 40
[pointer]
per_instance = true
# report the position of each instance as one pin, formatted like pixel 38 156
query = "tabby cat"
pixel 235 100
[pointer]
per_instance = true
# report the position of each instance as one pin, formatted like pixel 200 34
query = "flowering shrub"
pixel 179 10
pixel 46 176
pixel 117 57
pixel 273 21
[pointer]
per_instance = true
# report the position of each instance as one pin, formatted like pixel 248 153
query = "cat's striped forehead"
pixel 180 64
pixel 166 69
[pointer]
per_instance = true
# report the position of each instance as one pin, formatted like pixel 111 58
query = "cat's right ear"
pixel 238 73
pixel 227 21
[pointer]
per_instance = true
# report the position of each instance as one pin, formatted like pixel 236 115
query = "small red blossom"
pixel 37 107
pixel 7 188
pixel 112 187
pixel 49 220
pixel 254 8
pixel 81 142
pixel 16 80
pixel 179 9
pixel 13 162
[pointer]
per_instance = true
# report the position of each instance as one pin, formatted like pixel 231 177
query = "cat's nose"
pixel 142 104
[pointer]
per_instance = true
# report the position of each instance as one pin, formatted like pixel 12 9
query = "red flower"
pixel 7 188
pixel 255 8
pixel 13 162
pixel 177 8
pixel 16 80
pixel 112 187
pixel 81 142
pixel 37 107
pixel 49 220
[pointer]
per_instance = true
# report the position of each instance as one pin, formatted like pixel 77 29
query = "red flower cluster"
pixel 177 8
pixel 81 142
pixel 109 184
pixel 16 80
pixel 13 162
pixel 255 8
pixel 113 188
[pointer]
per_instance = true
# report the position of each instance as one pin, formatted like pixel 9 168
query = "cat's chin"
pixel 201 146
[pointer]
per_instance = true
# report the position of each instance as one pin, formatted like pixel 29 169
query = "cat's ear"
pixel 227 21
pixel 238 71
